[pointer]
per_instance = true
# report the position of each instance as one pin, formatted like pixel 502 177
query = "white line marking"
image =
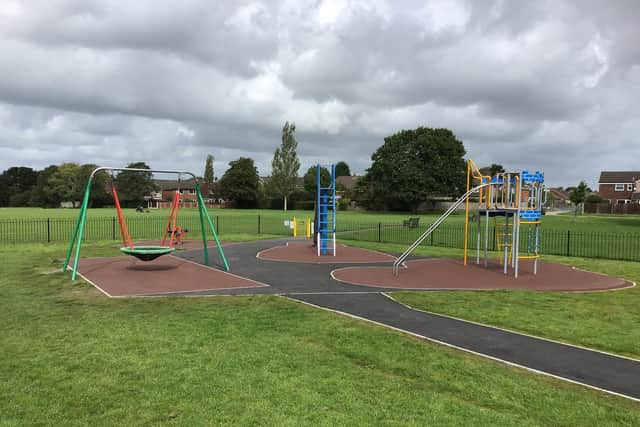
pixel 506 362
pixel 577 291
pixel 92 283
pixel 220 271
pixel 509 330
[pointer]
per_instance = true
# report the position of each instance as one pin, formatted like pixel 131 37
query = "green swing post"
pixel 202 229
pixel 78 232
pixel 213 230
pixel 65 265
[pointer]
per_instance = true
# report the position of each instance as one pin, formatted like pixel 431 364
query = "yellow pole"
pixel 308 228
pixel 295 227
pixel 466 213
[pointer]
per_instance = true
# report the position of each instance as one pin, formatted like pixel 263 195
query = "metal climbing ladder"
pixel 326 213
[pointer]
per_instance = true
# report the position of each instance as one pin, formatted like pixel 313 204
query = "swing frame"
pixel 78 231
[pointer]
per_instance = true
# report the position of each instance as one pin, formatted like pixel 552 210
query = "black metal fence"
pixel 590 244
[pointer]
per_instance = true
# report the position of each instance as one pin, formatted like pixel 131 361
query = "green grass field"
pixel 73 357
pixel 595 236
pixel 602 223
pixel 602 320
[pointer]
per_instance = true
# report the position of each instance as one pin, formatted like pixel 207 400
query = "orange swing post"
pixel 124 231
pixel 171 221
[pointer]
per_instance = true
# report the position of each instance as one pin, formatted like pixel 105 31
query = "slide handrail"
pixel 436 224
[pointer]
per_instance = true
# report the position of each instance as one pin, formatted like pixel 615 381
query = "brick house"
pixel 620 187
pixel 558 198
pixel 188 198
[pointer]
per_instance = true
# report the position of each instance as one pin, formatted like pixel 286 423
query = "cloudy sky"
pixel 549 85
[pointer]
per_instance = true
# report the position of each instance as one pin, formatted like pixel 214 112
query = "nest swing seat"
pixel 148 252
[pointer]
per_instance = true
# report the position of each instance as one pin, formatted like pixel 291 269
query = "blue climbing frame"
pixel 326 219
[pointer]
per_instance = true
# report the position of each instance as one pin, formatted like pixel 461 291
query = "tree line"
pixel 410 167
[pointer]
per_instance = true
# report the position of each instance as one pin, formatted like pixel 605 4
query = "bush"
pixel 595 198
pixel 343 204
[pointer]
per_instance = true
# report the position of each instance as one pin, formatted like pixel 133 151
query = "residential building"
pixel 620 187
pixel 188 198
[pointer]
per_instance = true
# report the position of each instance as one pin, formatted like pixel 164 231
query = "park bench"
pixel 411 222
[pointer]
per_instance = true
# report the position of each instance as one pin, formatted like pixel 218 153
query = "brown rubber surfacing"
pixel 304 252
pixel 126 276
pixel 451 274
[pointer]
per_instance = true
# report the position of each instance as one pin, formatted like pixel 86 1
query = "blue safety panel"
pixel 532 177
pixel 531 215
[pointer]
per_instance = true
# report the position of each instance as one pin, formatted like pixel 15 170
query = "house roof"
pixel 172 184
pixel 559 194
pixel 348 181
pixel 618 177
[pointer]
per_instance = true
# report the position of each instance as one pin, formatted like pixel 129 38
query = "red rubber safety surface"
pixel 127 276
pixel 445 273
pixel 304 252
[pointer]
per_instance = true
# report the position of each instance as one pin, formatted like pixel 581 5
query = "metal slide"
pixel 432 227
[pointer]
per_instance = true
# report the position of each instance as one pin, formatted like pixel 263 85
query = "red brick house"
pixel 620 187
pixel 188 198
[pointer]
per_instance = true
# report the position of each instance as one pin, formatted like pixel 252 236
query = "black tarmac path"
pixel 312 284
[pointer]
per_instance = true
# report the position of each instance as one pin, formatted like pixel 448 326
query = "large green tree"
pixel 285 164
pixel 240 183
pixel 134 186
pixel 100 188
pixel 208 170
pixel 41 195
pixel 342 169
pixel 414 164
pixel 311 180
pixel 492 170
pixel 17 183
pixel 64 184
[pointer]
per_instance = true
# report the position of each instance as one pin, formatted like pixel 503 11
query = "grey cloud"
pixel 537 85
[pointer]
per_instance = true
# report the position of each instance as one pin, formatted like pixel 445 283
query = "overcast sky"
pixel 539 85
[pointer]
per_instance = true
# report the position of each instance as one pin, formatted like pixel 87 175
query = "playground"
pixel 320 272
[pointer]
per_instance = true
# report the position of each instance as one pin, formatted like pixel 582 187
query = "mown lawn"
pixel 73 357
pixel 601 223
pixel 604 320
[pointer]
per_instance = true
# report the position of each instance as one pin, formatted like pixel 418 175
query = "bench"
pixel 411 222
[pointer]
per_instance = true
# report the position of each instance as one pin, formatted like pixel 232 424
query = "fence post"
pixel 379 232
pixel 48 230
pixel 259 224
pixel 218 224
pixel 568 242
pixel 113 228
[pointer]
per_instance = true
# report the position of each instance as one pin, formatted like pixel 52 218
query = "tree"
pixel 413 164
pixel 342 169
pixel 134 186
pixel 41 195
pixel 100 195
pixel 240 183
pixel 311 180
pixel 285 164
pixel 578 196
pixel 63 184
pixel 492 170
pixel 17 183
pixel 208 170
